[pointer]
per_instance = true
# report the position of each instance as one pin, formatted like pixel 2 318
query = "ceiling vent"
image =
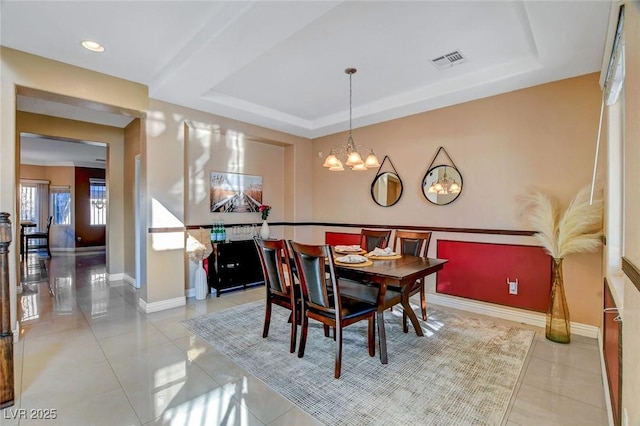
pixel 448 60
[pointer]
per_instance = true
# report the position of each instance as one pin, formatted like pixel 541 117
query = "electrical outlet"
pixel 625 418
pixel 513 286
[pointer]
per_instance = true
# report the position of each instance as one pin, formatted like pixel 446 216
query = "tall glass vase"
pixel 558 327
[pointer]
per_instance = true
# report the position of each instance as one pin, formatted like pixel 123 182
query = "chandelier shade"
pixel 350 149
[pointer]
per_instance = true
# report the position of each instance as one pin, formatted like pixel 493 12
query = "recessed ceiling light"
pixel 92 46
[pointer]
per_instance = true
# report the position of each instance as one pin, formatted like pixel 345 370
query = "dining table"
pixel 391 281
pixel 24 224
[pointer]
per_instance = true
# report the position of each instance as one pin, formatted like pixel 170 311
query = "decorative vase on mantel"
pixel 265 232
pixel 558 327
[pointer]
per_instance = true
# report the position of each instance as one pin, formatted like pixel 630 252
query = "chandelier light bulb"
pixel 359 167
pixel 337 168
pixel 371 160
pixel 331 160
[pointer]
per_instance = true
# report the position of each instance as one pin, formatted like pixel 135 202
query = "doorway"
pixel 65 180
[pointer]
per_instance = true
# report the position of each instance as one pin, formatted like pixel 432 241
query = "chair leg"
pixel 294 330
pixel 303 335
pixel 326 330
pixel 372 335
pixel 338 339
pixel 48 248
pixel 405 326
pixel 267 318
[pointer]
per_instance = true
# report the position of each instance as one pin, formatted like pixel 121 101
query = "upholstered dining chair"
pixel 414 244
pixel 39 235
pixel 321 299
pixel 372 238
pixel 279 282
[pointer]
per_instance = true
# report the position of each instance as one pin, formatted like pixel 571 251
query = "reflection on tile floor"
pixel 88 353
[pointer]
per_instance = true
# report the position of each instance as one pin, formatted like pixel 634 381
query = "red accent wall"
pixel 480 270
pixel 341 238
pixel 612 353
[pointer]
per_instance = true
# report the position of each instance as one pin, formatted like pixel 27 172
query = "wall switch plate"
pixel 513 286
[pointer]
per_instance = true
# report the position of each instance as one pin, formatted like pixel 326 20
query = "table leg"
pixel 381 333
pixel 407 308
pixel 382 337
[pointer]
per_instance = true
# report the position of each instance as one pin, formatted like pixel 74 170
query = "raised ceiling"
pixel 281 64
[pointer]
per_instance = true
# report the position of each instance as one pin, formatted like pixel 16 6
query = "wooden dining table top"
pixel 402 271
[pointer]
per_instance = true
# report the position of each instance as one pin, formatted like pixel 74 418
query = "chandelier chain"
pixel 350 103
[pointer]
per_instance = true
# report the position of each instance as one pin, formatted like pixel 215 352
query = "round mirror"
pixel 442 184
pixel 386 189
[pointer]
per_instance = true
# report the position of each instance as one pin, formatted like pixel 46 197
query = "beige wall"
pixel 177 176
pixel 542 136
pixel 631 250
pixel 132 138
pixel 25 70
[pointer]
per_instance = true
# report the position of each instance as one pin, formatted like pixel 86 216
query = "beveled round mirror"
pixel 442 184
pixel 386 189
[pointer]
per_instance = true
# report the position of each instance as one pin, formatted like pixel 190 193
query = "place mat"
pixel 356 265
pixel 463 371
pixel 350 252
pixel 389 257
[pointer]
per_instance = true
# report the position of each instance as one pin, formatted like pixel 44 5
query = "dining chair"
pixel 39 235
pixel 322 301
pixel 280 284
pixel 372 238
pixel 414 244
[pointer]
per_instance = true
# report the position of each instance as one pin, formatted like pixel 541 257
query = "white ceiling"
pixel 281 64
pixel 46 151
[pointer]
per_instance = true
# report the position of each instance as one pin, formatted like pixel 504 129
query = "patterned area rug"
pixel 463 371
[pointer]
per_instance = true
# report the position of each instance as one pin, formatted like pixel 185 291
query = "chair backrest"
pixel 412 243
pixel 318 291
pixel 49 224
pixel 372 238
pixel 276 266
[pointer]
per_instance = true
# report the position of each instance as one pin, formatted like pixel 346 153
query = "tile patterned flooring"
pixel 87 352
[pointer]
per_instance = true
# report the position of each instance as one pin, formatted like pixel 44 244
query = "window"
pixel 98 197
pixel 28 202
pixel 34 202
pixel 61 204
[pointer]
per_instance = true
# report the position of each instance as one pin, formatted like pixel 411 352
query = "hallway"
pixel 89 354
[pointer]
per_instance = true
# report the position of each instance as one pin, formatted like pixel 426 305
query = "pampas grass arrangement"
pixel 577 229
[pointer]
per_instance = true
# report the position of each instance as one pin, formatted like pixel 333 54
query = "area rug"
pixel 463 371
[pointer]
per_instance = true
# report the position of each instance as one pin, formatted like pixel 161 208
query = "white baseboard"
pixel 605 380
pixel 129 279
pixel 512 314
pixel 115 277
pixel 161 305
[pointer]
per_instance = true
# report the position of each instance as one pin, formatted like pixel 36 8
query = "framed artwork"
pixel 235 193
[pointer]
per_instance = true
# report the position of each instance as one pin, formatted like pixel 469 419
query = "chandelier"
pixel 444 185
pixel 353 157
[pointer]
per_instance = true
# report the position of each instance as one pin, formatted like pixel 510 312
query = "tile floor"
pixel 89 354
